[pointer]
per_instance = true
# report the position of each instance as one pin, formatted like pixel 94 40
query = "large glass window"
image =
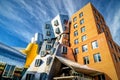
pixel 52 51
pixel 64 50
pixel 30 77
pixel 84 37
pixel 38 62
pixel 43 76
pixel 48 33
pixel 75 26
pixel 84 48
pixel 57 30
pixel 48 47
pixel 119 58
pixel 75 33
pixel 8 71
pixel 81 21
pixel 115 58
pixel 56 23
pixel 98 26
pixel 47 26
pixel 119 50
pixel 96 18
pixel 76 51
pixel 74 19
pixel 94 44
pixel 49 40
pixel 86 60
pixel 49 59
pixel 42 53
pixel 101 77
pixel 81 14
pixel 110 44
pixel 97 57
pixel 83 29
pixel 76 41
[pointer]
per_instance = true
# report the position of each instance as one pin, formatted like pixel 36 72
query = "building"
pixel 92 43
pixel 55 59
pixel 32 49
pixel 78 49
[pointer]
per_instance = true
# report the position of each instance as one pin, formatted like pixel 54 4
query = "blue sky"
pixel 20 19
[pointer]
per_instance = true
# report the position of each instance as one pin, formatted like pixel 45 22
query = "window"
pixel 82 21
pixel 48 47
pixel 115 58
pixel 97 57
pixel 49 59
pixel 49 40
pixel 57 30
pixel 84 37
pixel 81 14
pixel 86 60
pixel 48 33
pixel 101 77
pixel 116 48
pixel 100 21
pixel 119 50
pixel 75 26
pixel 83 29
pixel 65 28
pixel 110 44
pixel 119 58
pixel 11 71
pixel 38 62
pixel 74 19
pixel 96 18
pixel 76 41
pixel 52 51
pixel 42 53
pixel 102 29
pixel 94 44
pixel 76 51
pixel 30 77
pixel 98 26
pixel 47 26
pixel 65 22
pixel 65 36
pixel 84 48
pixel 43 76
pixel 64 50
pixel 8 71
pixel 56 23
pixel 107 34
pixel 75 33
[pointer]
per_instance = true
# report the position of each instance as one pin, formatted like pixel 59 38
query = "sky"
pixel 21 19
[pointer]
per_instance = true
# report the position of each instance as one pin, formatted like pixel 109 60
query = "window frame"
pixel 76 51
pixel 83 29
pixel 81 14
pixel 76 41
pixel 75 25
pixel 74 19
pixel 76 33
pixel 82 21
pixel 97 57
pixel 84 48
pixel 86 60
pixel 94 45
pixel 83 39
pixel 38 62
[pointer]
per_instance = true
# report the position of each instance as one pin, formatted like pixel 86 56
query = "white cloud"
pixel 115 26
